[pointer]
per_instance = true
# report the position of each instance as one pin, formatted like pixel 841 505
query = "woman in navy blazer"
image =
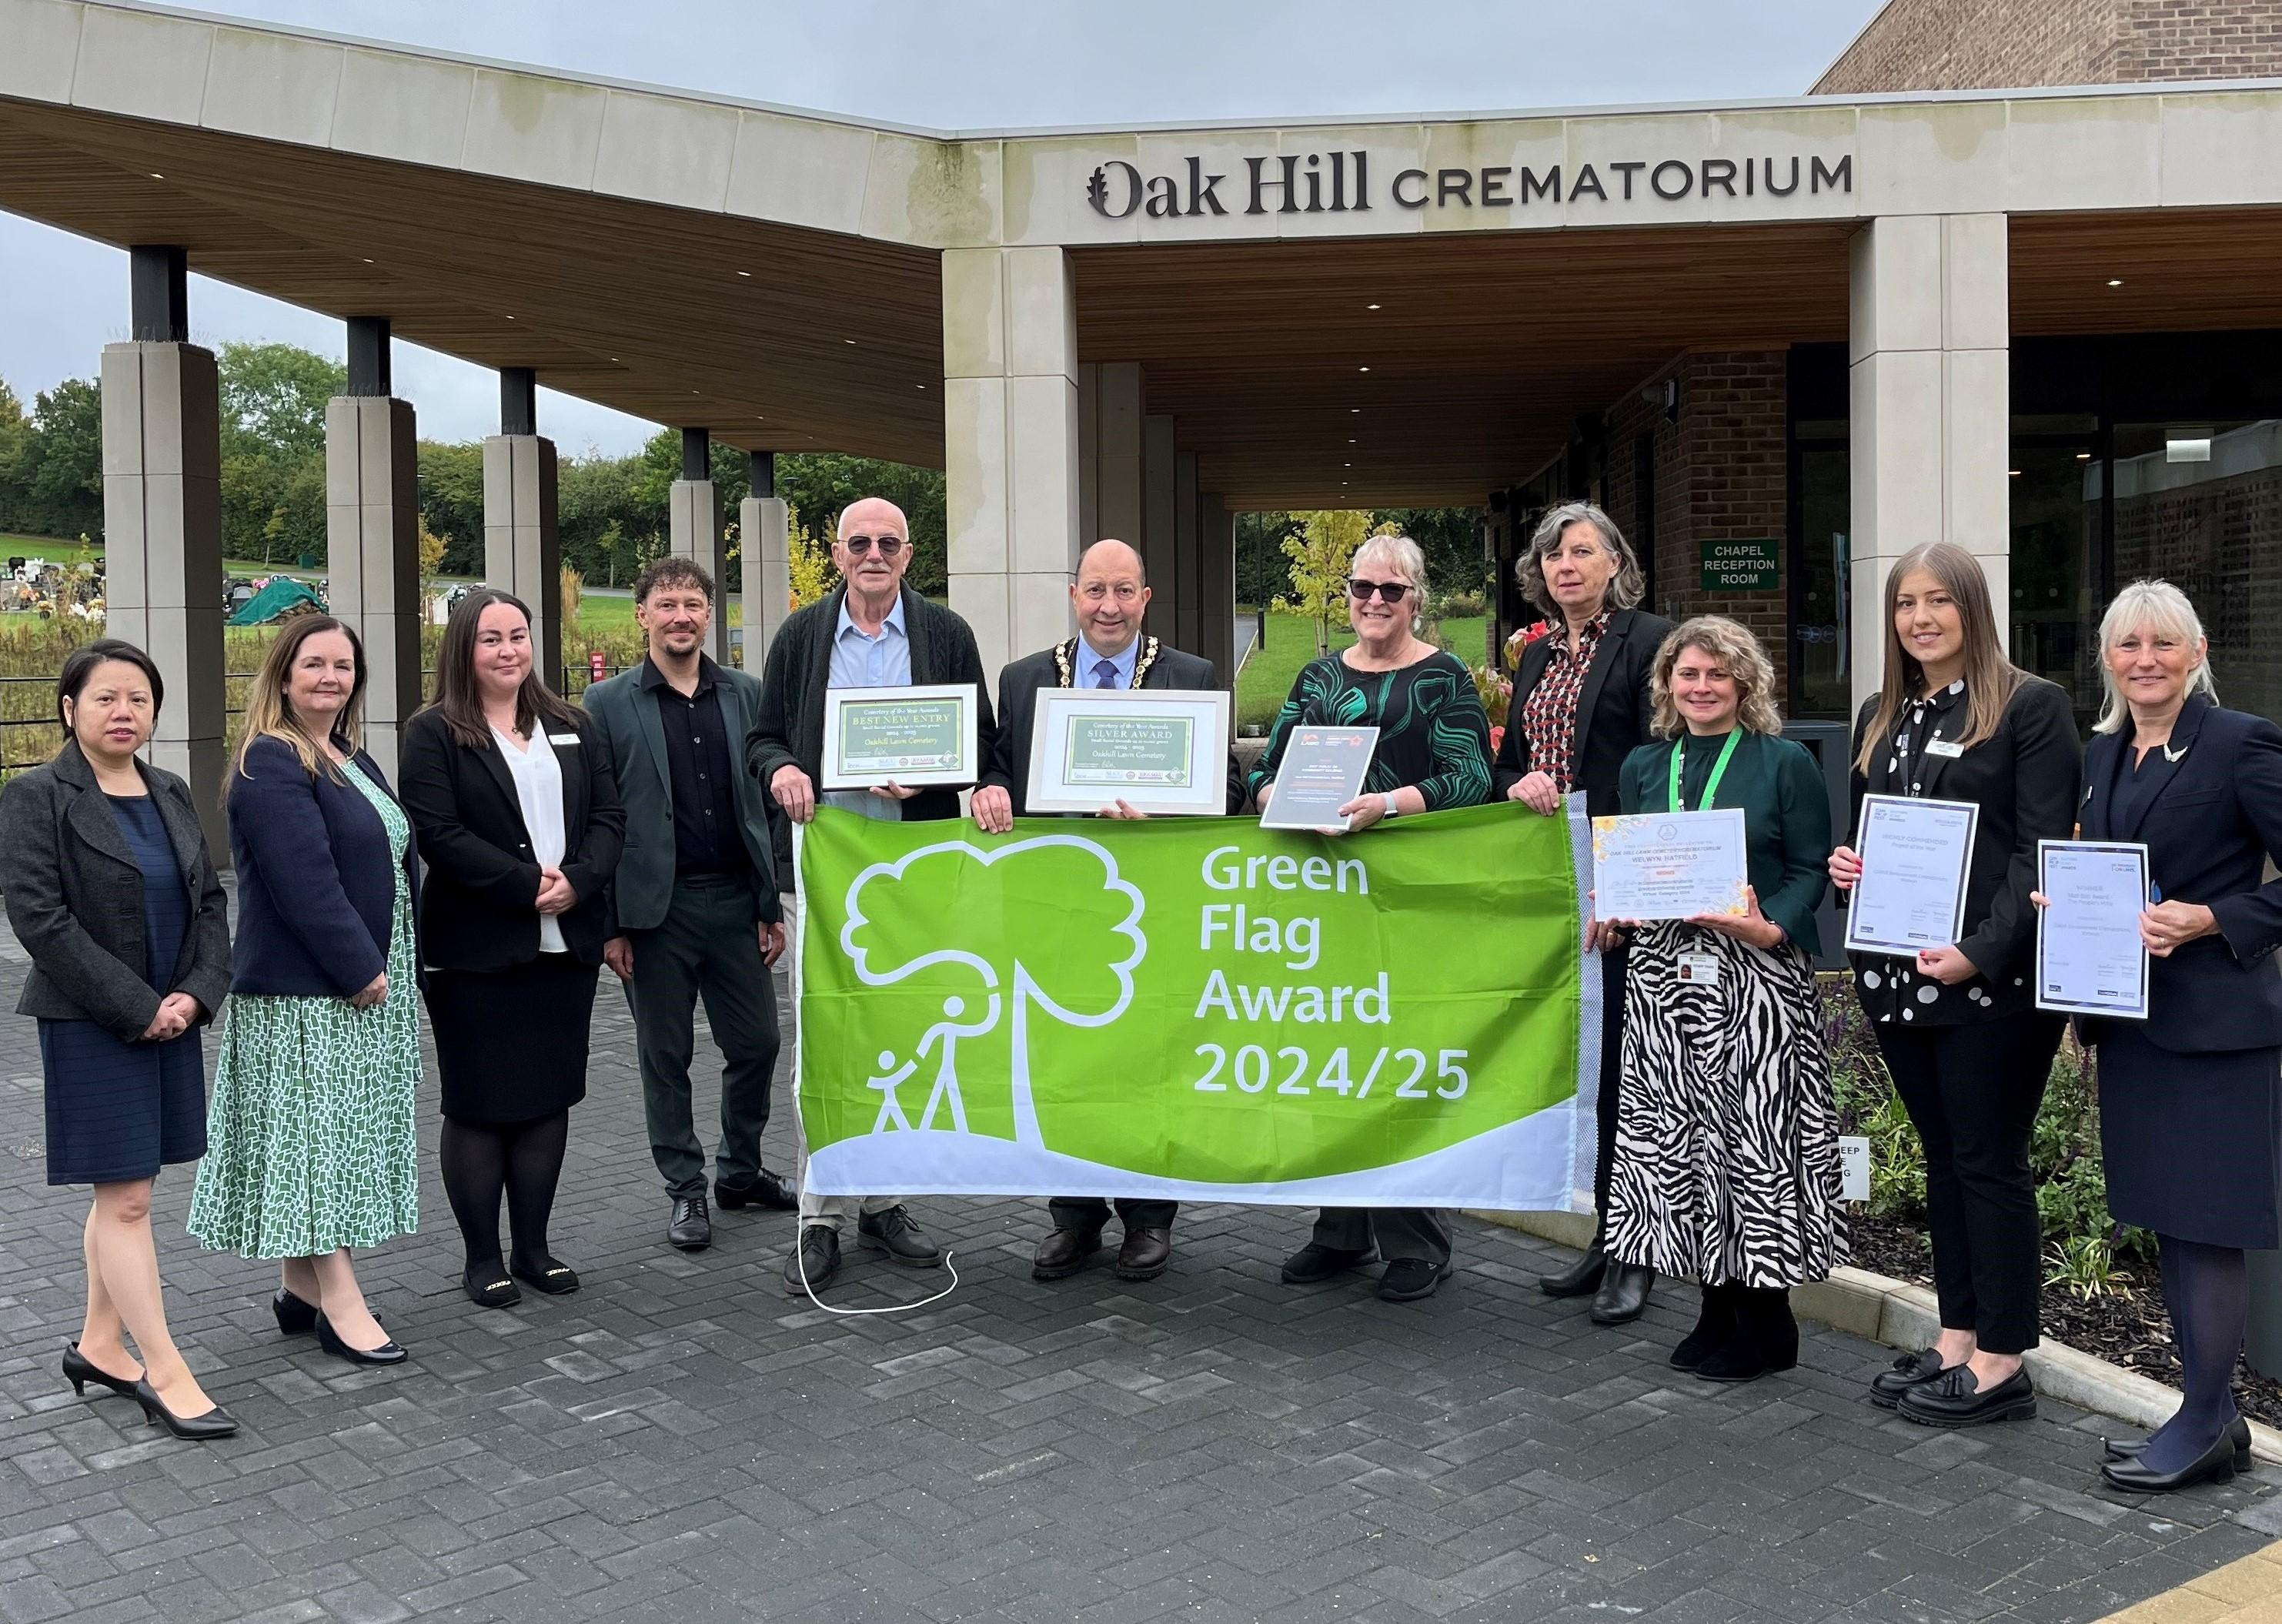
pixel 2190 1099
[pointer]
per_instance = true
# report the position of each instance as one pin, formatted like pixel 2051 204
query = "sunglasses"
pixel 1389 592
pixel 888 546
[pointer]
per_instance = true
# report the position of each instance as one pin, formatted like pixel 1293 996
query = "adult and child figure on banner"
pixel 637 831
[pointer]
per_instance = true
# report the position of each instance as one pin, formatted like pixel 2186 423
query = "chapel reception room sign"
pixel 1752 563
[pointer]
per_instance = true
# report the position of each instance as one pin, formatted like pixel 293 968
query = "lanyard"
pixel 1711 785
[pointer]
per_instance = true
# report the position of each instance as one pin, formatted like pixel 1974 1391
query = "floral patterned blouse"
pixel 1549 716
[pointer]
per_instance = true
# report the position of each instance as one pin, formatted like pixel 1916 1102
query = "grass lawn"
pixel 1268 675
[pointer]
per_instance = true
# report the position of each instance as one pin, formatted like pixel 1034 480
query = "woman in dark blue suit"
pixel 2190 1099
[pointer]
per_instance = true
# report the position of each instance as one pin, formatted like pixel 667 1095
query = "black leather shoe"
pixel 894 1232
pixel 1623 1294
pixel 295 1317
pixel 488 1288
pixel 1145 1253
pixel 1407 1279
pixel 329 1339
pixel 79 1370
pixel 1713 1327
pixel 2127 1448
pixel 691 1227
pixel 1953 1399
pixel 1912 1370
pixel 766 1189
pixel 810 1265
pixel 2215 1464
pixel 1313 1264
pixel 1581 1279
pixel 545 1274
pixel 216 1423
pixel 1766 1338
pixel 1064 1252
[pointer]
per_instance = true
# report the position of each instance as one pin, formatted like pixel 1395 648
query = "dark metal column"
pixel 518 400
pixel 368 356
pixel 159 294
pixel 761 472
pixel 697 453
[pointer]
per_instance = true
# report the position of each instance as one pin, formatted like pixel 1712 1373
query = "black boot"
pixel 1715 1326
pixel 1766 1338
pixel 1582 1277
pixel 1623 1294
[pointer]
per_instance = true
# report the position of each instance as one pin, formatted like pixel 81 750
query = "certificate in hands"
pixel 1160 750
pixel 1916 855
pixel 914 736
pixel 1669 865
pixel 2090 958
pixel 1322 769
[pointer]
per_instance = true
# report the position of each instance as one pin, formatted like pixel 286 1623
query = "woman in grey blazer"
pixel 111 891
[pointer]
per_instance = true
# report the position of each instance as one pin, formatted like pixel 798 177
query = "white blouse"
pixel 538 792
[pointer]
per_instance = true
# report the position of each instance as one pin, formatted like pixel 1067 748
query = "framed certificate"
pixel 917 737
pixel 1916 855
pixel 1160 750
pixel 1322 769
pixel 1669 865
pixel 2089 959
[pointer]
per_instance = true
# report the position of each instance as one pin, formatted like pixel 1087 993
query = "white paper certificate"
pixel 1322 769
pixel 1160 750
pixel 1915 858
pixel 915 736
pixel 2089 959
pixel 1669 865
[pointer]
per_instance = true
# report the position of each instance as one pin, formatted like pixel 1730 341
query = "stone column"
pixel 1216 601
pixel 1010 434
pixel 1159 504
pixel 695 529
pixel 1117 403
pixel 765 561
pixel 522 541
pixel 1929 399
pixel 372 534
pixel 1187 621
pixel 162 523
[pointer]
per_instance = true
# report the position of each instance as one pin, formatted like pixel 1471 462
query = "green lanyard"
pixel 1711 785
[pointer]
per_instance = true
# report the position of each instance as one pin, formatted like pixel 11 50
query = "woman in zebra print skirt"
pixel 1726 1159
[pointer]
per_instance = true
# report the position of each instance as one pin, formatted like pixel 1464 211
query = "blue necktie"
pixel 1105 674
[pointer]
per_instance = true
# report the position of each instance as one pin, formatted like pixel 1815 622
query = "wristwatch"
pixel 1387 803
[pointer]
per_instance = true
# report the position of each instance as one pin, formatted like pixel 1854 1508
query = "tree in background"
pixel 813 575
pixel 272 450
pixel 432 561
pixel 16 512
pixel 821 484
pixel 1319 555
pixel 452 502
pixel 65 485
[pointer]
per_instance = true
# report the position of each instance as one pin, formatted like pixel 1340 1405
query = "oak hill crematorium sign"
pixel 1340 183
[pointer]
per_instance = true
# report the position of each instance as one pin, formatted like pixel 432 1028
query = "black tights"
pixel 523 1160
pixel 2207 1291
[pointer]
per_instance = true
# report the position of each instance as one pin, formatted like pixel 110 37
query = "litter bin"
pixel 1826 742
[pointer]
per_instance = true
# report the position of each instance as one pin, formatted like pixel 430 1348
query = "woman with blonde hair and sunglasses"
pixel 310 1146
pixel 1726 1150
pixel 1968 1050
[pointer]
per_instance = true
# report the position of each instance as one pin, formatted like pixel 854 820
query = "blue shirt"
pixel 859 661
pixel 1089 658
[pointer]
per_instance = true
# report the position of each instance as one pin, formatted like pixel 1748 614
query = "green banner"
pixel 1199 1008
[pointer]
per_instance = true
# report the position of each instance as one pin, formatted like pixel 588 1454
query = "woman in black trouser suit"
pixel 1968 1051
pixel 1581 705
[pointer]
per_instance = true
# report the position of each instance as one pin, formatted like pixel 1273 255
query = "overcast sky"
pixel 969 65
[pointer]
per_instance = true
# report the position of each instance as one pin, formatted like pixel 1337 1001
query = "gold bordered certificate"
pixel 1669 865
pixel 1160 750
pixel 917 737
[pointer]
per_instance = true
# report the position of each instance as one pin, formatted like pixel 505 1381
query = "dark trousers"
pixel 1972 1091
pixel 707 945
pixel 1090 1212
pixel 1613 1071
pixel 1398 1231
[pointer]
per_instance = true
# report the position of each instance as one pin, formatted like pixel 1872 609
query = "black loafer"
pixel 329 1339
pixel 811 1264
pixel 2127 1448
pixel 1313 1264
pixel 1912 1370
pixel 1623 1294
pixel 1063 1253
pixel 1407 1279
pixel 691 1227
pixel 767 1189
pixel 1581 1279
pixel 546 1275
pixel 2215 1464
pixel 897 1234
pixel 1145 1253
pixel 490 1289
pixel 1954 1399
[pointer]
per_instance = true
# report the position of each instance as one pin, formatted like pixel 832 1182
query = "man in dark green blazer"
pixel 692 907
pixel 1109 597
pixel 870 631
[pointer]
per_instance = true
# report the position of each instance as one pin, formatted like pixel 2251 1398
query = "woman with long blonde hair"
pixel 1968 1050
pixel 311 1149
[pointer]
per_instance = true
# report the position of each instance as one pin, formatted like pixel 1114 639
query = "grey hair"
pixel 1625 588
pixel 1408 562
pixel 2153 606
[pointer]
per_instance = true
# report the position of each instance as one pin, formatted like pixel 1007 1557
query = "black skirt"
pixel 511 1044
pixel 2190 1141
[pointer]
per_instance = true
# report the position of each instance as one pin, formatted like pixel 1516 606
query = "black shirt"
pixel 706 837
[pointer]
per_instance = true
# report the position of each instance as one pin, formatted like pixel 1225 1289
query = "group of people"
pixel 532 842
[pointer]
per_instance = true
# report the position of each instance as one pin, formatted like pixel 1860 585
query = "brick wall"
pixel 1990 44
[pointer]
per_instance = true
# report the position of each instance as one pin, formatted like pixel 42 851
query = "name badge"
pixel 562 738
pixel 1949 748
pixel 1700 969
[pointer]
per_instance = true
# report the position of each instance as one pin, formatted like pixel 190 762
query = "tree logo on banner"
pixel 1095 908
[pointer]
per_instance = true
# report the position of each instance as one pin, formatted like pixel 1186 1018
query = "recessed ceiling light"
pixel 510 318
pixel 156 176
pixel 849 341
pixel 2115 282
pixel 2083 456
pixel 2012 473
pixel 744 272
pixel 1362 369
pixel 1347 465
pixel 615 358
pixel 919 385
pixel 367 261
pixel 1370 307
pixel 1353 441
pixel 1354 408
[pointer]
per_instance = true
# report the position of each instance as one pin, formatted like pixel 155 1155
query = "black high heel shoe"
pixel 2127 1448
pixel 2215 1464
pixel 79 1370
pixel 329 1339
pixel 216 1423
pixel 295 1317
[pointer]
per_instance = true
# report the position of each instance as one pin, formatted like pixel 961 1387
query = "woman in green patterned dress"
pixel 1433 751
pixel 310 1145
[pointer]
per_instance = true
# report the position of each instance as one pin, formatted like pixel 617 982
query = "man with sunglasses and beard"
pixel 870 630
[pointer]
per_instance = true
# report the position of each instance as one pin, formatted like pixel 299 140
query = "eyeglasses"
pixel 1389 592
pixel 888 546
